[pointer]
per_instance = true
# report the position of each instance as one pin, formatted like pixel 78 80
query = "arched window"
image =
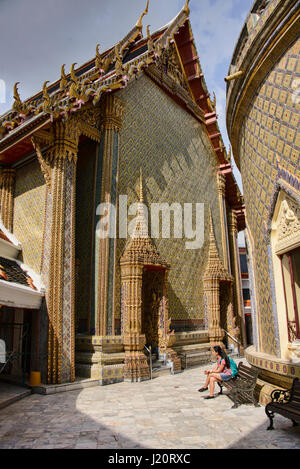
pixel 290 268
pixel 285 244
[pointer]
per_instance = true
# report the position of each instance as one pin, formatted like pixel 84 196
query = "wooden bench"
pixel 242 386
pixel 285 403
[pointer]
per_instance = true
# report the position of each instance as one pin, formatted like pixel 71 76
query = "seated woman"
pixel 221 372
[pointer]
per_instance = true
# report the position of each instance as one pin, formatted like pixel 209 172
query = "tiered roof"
pixel 110 71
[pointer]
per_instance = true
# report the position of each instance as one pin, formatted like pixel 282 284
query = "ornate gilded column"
pixel 112 110
pixel 238 325
pixel 7 185
pixel 58 270
pixel 221 179
pixel 214 274
pixel 136 367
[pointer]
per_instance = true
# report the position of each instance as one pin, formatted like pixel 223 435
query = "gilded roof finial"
pixel 119 64
pixel 46 98
pixel 150 42
pixel 73 76
pixel 186 7
pixel 141 186
pixel 98 61
pixel 17 106
pixel 63 79
pixel 139 23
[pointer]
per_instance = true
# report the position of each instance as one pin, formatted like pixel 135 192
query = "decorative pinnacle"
pixel 98 60
pixel 17 100
pixel 139 23
pixel 73 76
pixel 186 7
pixel 141 186
pixel 45 91
pixel 63 78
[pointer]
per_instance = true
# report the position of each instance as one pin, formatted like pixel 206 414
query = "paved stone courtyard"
pixel 165 413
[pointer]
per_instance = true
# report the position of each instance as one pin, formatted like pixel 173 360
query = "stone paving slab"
pixel 167 412
pixel 10 393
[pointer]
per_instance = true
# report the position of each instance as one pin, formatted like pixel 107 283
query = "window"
pixel 290 265
pixel 246 294
pixel 244 265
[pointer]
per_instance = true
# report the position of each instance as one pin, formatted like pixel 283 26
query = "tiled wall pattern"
pixel 85 214
pixel 29 207
pixel 178 165
pixel 269 134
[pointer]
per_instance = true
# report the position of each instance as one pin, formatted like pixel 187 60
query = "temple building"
pixel 132 128
pixel 263 126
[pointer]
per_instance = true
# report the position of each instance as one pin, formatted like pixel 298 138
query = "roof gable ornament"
pixel 139 24
pixel 63 79
pixel 18 105
pixel 186 8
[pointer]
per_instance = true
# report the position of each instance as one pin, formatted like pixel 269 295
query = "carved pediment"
pixel 169 63
pixel 288 225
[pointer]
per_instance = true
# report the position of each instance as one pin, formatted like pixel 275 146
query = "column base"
pixel 100 357
pixel 136 368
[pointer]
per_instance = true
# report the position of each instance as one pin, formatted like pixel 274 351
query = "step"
pixel 156 372
pixel 10 393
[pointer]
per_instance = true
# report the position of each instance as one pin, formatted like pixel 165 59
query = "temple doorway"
pixel 152 307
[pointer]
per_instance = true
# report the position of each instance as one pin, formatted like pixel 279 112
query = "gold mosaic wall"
pixel 178 165
pixel 29 206
pixel 269 135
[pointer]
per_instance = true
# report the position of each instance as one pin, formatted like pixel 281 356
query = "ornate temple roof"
pixel 110 71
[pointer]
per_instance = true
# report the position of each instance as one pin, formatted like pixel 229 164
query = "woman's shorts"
pixel 225 376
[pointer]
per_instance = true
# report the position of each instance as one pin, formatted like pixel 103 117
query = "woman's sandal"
pixel 202 389
pixel 209 397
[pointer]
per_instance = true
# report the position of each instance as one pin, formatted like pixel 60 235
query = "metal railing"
pixel 235 340
pixel 149 350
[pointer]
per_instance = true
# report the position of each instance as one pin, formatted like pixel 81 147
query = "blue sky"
pixel 37 37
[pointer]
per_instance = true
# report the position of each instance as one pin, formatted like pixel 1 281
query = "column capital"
pixel 112 111
pixel 66 138
pixel 221 181
pixel 7 177
pixel 232 222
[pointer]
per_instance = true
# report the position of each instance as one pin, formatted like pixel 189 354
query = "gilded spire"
pixel 186 7
pixel 141 186
pixel 139 23
pixel 214 268
pixel 213 251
